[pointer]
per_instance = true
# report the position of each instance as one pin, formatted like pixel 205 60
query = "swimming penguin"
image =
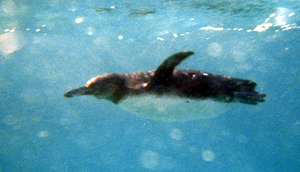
pixel 170 94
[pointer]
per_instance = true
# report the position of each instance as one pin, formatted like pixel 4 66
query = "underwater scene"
pixel 50 47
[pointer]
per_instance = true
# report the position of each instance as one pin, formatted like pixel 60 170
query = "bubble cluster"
pixel 11 42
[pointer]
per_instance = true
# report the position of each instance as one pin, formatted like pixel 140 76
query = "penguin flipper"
pixel 165 70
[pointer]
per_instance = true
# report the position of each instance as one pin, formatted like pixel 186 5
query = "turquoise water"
pixel 49 47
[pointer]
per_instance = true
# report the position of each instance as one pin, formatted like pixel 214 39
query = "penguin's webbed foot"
pixel 249 97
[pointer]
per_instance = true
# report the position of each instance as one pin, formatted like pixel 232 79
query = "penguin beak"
pixel 79 92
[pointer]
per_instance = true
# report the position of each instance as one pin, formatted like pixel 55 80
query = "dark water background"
pixel 49 47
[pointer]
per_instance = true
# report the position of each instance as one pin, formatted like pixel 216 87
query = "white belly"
pixel 172 109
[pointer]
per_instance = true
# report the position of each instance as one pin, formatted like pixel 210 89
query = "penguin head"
pixel 106 86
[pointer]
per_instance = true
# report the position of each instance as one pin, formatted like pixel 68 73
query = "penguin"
pixel 169 94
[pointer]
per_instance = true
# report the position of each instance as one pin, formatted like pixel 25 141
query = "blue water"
pixel 49 47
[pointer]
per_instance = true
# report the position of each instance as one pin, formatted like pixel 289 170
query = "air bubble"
pixel 10 120
pixel 176 134
pixel 43 134
pixel 149 159
pixel 208 155
pixel 214 49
